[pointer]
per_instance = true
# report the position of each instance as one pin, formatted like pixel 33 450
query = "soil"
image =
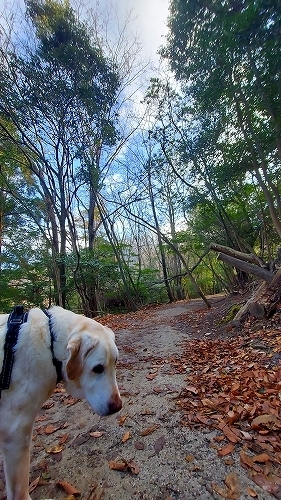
pixel 159 457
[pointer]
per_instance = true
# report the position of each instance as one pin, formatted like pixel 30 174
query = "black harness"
pixel 16 318
pixel 57 364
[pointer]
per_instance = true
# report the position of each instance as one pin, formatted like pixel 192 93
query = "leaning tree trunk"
pixel 266 298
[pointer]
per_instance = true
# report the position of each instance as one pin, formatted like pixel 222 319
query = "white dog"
pixel 87 353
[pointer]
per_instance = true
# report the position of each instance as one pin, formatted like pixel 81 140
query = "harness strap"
pixel 15 320
pixel 57 364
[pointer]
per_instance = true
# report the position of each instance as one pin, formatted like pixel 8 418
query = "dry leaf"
pixel 149 430
pixel 96 492
pixel 228 432
pixel 264 421
pixel 34 484
pixel 117 465
pixel 252 493
pixel 96 434
pixel 50 429
pixel 55 449
pixel 63 438
pixel 133 467
pixel 68 488
pixel 138 445
pixel 70 401
pixel 266 484
pixel 126 436
pixel 158 390
pixel 48 405
pixel 247 460
pixel 159 444
pixel 40 418
pixel 231 482
pixel 228 448
pixel 124 465
pixel 223 493
pixel 263 457
pixel 192 389
pixel 80 440
pixel 121 420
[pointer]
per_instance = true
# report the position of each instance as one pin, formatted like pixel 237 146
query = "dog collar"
pixel 16 318
pixel 57 364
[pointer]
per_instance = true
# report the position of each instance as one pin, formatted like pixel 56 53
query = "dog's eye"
pixel 98 369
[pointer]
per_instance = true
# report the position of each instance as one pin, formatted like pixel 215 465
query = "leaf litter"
pixel 232 386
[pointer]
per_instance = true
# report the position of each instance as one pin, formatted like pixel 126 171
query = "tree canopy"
pixel 107 202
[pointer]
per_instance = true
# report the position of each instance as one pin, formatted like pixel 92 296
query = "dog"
pixel 87 354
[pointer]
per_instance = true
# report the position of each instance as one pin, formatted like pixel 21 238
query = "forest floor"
pixel 200 416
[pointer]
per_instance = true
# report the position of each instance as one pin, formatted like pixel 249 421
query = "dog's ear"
pixel 74 365
pixel 78 347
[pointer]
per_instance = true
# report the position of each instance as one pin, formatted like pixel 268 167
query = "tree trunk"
pixel 265 299
pixel 264 274
pixel 160 242
pixel 265 303
pixel 254 259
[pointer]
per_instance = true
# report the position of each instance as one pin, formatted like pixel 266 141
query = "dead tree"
pixel 267 296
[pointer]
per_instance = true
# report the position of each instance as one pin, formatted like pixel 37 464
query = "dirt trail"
pixel 172 461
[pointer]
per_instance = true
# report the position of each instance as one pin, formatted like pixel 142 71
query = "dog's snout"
pixel 115 404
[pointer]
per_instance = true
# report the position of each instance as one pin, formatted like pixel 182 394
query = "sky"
pixel 148 20
pixel 149 17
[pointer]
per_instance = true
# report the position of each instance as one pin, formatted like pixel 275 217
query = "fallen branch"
pixel 262 273
pixel 247 257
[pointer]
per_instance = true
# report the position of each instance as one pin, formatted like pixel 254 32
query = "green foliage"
pixel 227 55
pixel 25 270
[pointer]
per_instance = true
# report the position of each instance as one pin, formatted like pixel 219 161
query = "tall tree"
pixel 227 54
pixel 58 90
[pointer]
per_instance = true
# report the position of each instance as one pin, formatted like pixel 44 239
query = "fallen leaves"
pixel 50 429
pixel 267 485
pixel 252 493
pixel 126 437
pixel 68 488
pixel 189 388
pixel 34 484
pixel 226 450
pixel 125 466
pixel 233 388
pixel 121 420
pixel 138 445
pixel 55 449
pixel 269 422
pixel 231 491
pixel 97 434
pixel 159 444
pixel 230 433
pixel 149 430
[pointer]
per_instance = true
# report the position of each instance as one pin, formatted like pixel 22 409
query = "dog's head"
pixel 90 367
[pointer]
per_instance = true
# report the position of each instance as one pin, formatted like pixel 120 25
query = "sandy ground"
pixel 161 458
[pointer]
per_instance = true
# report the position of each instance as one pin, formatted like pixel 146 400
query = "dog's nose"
pixel 115 404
